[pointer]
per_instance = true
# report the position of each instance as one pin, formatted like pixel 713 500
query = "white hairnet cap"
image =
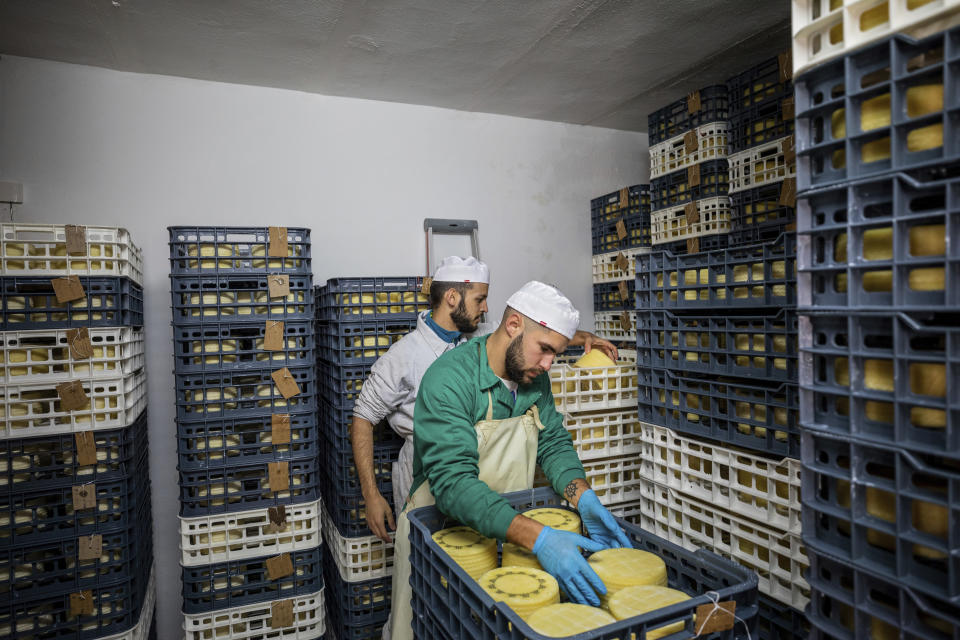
pixel 546 306
pixel 457 269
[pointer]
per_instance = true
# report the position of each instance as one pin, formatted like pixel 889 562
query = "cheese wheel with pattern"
pixel 475 553
pixel 562 519
pixel 562 620
pixel 621 568
pixel 523 589
pixel 514 556
pixel 638 600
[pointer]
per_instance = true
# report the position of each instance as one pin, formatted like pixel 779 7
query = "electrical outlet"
pixel 11 192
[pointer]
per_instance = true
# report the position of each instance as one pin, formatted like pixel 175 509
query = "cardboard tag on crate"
pixel 788 192
pixel 81 604
pixel 691 142
pixel 79 342
pixel 621 230
pixel 425 287
pixel 84 496
pixel 622 290
pixel 693 102
pixel 715 617
pixel 72 396
pixel 286 385
pixel 90 547
pixel 785 62
pixel 625 197
pixel 693 245
pixel 273 336
pixel 789 151
pixel 279 567
pixel 279 476
pixel 76 240
pixel 281 614
pixel 280 428
pixel 788 108
pixel 625 322
pixel 278 519
pixel 278 285
pixel 693 176
pixel 622 263
pixel 68 289
pixel 278 242
pixel 86 448
pixel 691 213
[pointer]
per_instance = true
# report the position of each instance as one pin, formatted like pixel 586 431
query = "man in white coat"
pixel 458 300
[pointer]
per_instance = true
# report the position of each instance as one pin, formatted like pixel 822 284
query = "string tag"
pixel 280 428
pixel 278 242
pixel 68 289
pixel 717 616
pixel 279 567
pixel 278 285
pixel 84 496
pixel 281 614
pixel 90 547
pixel 76 240
pixel 273 336
pixel 79 342
pixel 81 604
pixel 287 386
pixel 86 448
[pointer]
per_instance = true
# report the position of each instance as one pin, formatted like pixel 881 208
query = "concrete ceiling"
pixel 605 63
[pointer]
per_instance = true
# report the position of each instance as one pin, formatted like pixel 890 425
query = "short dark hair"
pixel 439 289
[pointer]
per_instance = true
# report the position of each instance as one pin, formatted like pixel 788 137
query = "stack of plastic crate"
pixel 358 319
pixel 620 229
pixel 247 432
pixel 762 152
pixel 878 210
pixel 76 525
pixel 690 210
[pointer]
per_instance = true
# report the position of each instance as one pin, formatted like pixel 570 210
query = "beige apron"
pixel 507 459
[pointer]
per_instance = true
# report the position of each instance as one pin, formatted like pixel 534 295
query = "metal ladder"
pixel 449 227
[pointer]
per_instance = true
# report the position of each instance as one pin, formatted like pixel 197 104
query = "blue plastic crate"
pixel 887 243
pixel 348 511
pixel 756 215
pixel 763 83
pixel 883 377
pixel 677 118
pixel 361 341
pixel 341 470
pixel 881 78
pixel 29 303
pixel 242 441
pixel 731 410
pixel 759 124
pixel 355 604
pixel 673 189
pixel 230 250
pixel 50 461
pixel 241 582
pixel 754 276
pixel 335 426
pixel 242 393
pixel 606 296
pixel 849 603
pixel 462 607
pixel 637 226
pixel 235 488
pixel 777 621
pixel 891 512
pixel 751 346
pixel 238 298
pixel 382 298
pixel 340 384
pixel 230 346
pixel 611 207
pixel 706 243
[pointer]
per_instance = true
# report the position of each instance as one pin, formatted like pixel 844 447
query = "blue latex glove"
pixel 559 555
pixel 600 523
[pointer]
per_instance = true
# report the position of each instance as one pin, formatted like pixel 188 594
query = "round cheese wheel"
pixel 514 556
pixel 621 568
pixel 475 553
pixel 641 599
pixel 561 519
pixel 523 589
pixel 562 620
pixel 595 359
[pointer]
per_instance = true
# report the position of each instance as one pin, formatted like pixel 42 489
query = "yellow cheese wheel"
pixel 620 568
pixel 638 600
pixel 515 556
pixel 928 240
pixel 562 519
pixel 926 279
pixel 595 359
pixel 878 244
pixel 562 620
pixel 475 553
pixel 523 589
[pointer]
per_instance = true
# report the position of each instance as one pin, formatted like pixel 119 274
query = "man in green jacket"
pixel 484 419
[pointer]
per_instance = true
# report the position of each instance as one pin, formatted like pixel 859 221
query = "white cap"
pixel 457 269
pixel 546 306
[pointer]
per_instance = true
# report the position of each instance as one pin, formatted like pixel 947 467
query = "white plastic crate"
pixel 604 435
pixel 41 250
pixel 252 622
pixel 601 389
pixel 760 165
pixel 609 326
pixel 605 268
pixel 778 558
pixel 246 534
pixel 670 225
pixel 824 29
pixel 358 559
pixel 630 511
pixel 44 355
pixel 744 483
pixel 671 155
pixel 616 480
pixel 33 409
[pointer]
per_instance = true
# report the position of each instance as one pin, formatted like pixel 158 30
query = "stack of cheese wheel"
pixel 638 600
pixel 561 519
pixel 568 619
pixel 516 556
pixel 622 568
pixel 475 553
pixel 523 589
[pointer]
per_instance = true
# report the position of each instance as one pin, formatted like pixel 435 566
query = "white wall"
pixel 96 146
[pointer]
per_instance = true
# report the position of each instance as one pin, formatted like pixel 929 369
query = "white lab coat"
pixel 390 392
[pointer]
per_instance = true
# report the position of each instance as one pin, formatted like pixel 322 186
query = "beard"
pixel 514 364
pixel 463 322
